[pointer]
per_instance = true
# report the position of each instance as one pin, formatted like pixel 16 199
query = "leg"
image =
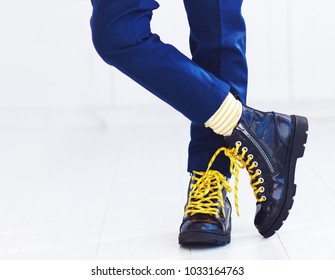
pixel 218 44
pixel 122 37
pixel 217 41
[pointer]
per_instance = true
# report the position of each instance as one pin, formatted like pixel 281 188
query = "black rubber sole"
pixel 296 150
pixel 203 238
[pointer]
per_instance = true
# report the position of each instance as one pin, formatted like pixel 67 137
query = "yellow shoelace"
pixel 239 160
pixel 206 192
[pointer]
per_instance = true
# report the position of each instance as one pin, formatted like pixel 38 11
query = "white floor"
pixel 102 188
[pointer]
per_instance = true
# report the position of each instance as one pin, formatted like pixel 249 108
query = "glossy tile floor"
pixel 107 188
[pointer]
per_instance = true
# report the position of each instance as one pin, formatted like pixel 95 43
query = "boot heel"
pixel 300 136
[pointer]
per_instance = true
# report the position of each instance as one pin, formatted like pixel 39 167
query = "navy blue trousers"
pixel 195 87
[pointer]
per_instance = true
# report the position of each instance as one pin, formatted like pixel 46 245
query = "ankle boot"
pixel 207 219
pixel 268 145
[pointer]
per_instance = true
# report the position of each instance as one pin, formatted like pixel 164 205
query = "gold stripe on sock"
pixel 226 117
pixel 230 121
pixel 219 114
pixel 223 117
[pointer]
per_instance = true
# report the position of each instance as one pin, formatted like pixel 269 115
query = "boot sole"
pixel 296 150
pixel 203 238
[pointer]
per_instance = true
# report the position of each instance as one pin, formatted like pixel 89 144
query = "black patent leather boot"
pixel 268 144
pixel 207 219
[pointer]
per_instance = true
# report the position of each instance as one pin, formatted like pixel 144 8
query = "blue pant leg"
pixel 122 36
pixel 218 44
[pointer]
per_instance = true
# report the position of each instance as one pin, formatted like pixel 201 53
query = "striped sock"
pixel 226 117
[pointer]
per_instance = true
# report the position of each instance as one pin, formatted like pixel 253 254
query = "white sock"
pixel 226 117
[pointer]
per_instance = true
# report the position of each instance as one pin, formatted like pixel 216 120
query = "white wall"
pixel 47 59
pixel 290 49
pixel 46 56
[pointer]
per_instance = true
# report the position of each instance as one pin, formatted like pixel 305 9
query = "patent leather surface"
pixel 267 136
pixel 204 223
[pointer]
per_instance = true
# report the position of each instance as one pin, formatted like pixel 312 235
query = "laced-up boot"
pixel 268 145
pixel 207 218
